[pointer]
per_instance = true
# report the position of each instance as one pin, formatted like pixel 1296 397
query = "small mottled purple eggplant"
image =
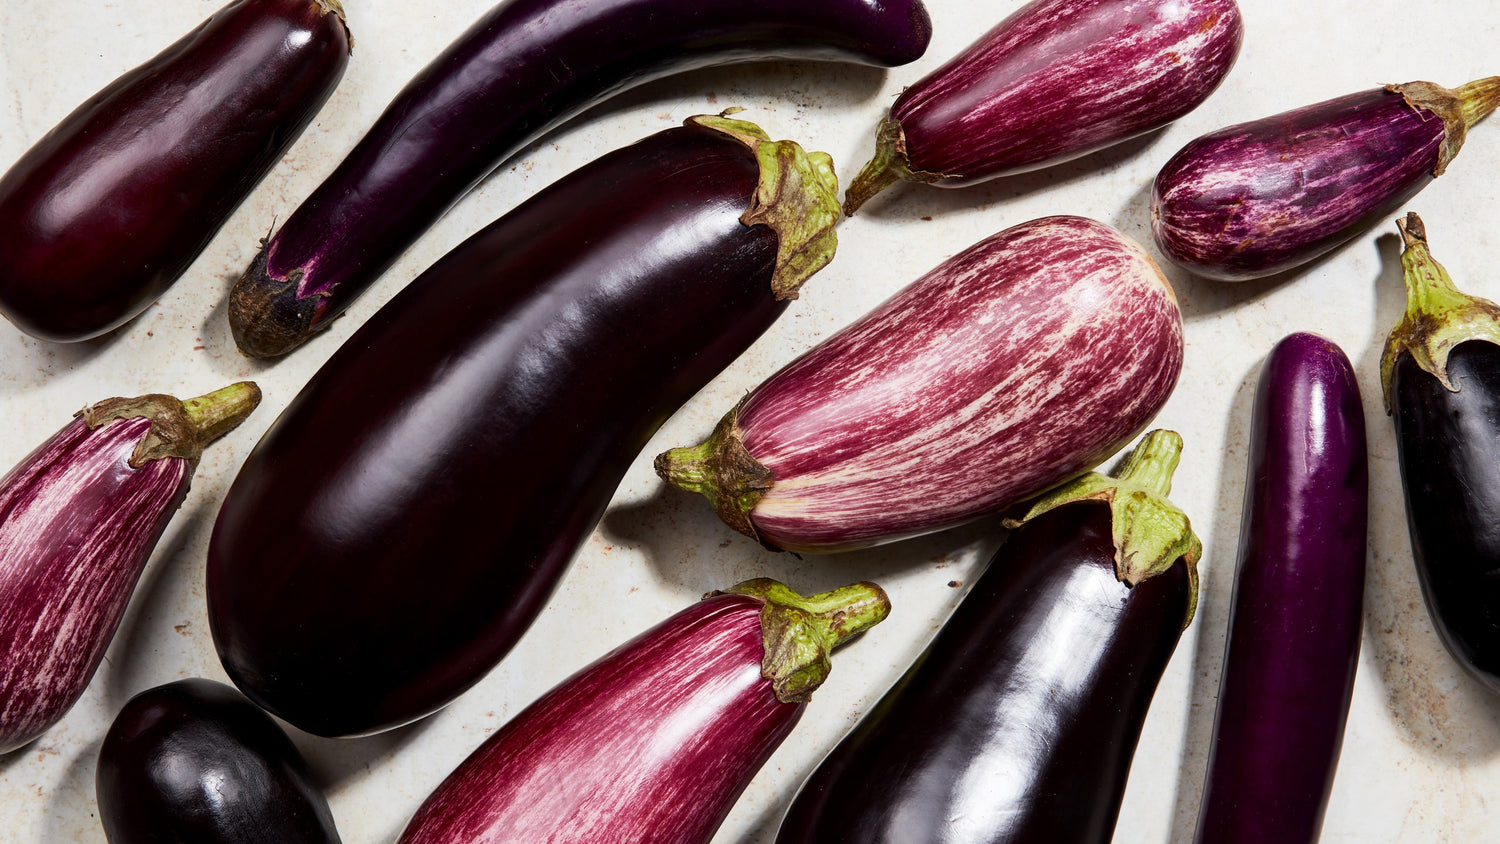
pixel 1035 354
pixel 654 743
pixel 78 520
pixel 1056 80
pixel 1264 197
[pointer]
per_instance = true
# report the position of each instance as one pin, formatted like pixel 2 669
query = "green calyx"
pixel 801 632
pixel 178 428
pixel 1459 108
pixel 1150 533
pixel 720 469
pixel 889 166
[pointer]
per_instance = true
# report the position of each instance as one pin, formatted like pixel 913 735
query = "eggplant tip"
pixel 266 317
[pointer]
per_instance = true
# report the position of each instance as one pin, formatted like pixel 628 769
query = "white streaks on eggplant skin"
pixel 77 525
pixel 652 744
pixel 1017 364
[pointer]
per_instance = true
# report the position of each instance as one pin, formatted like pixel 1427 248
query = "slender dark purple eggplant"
pixel 78 520
pixel 1019 721
pixel 521 70
pixel 655 742
pixel 1036 353
pixel 193 761
pixel 108 209
pixel 406 518
pixel 1294 629
pixel 1441 373
pixel 1056 80
pixel 1264 197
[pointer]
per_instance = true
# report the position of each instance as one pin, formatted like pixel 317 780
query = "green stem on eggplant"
pixel 179 428
pixel 1459 108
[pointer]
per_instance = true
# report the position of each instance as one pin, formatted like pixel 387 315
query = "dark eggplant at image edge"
pixel 1055 80
pixel 1263 197
pixel 112 205
pixel 1019 722
pixel 1441 374
pixel 655 742
pixel 399 527
pixel 193 761
pixel 79 518
pixel 520 70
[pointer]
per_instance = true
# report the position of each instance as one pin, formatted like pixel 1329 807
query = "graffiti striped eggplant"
pixel 78 519
pixel 108 209
pixel 1036 353
pixel 654 743
pixel 1056 80
pixel 522 69
pixel 1264 197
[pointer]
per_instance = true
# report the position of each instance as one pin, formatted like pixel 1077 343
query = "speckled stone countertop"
pixel 1421 758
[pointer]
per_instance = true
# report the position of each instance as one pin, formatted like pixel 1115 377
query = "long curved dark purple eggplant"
pixel 406 518
pixel 108 209
pixel 1441 372
pixel 522 69
pixel 1294 630
pixel 1019 721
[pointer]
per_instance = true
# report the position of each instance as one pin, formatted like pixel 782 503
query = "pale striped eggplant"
pixel 78 519
pixel 1019 363
pixel 1056 80
pixel 1260 198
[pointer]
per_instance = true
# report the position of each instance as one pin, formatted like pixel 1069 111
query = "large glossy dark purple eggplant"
pixel 1441 372
pixel 108 209
pixel 1263 197
pixel 1294 629
pixel 522 69
pixel 1020 720
pixel 193 761
pixel 406 518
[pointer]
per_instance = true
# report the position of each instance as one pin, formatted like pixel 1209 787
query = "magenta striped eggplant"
pixel 78 520
pixel 1056 80
pixel 1264 197
pixel 1017 364
pixel 653 743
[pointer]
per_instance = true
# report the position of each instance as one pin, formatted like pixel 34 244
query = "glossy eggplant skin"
pixel 108 209
pixel 193 762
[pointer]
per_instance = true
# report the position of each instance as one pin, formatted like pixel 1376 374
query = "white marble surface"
pixel 1421 759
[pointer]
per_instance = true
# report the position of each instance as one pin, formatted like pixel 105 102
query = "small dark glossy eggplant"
pixel 193 761
pixel 406 518
pixel 108 209
pixel 1441 372
pixel 1294 629
pixel 1019 721
pixel 1263 197
pixel 522 69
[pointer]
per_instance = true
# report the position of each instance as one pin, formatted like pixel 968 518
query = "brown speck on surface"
pixel 182 628
pixel 955 583
pixel 725 544
pixel 199 348
pixel 927 218
pixel 150 334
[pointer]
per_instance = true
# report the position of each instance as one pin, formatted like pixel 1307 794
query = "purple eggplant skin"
pixel 522 69
pixel 193 761
pixel 1260 198
pixel 653 743
pixel 1294 628
pixel 108 209
pixel 79 517
pixel 1056 80
pixel 401 524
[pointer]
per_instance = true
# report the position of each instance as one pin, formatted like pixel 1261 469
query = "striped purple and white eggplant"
pixel 78 519
pixel 1017 364
pixel 1260 198
pixel 1056 80
pixel 655 742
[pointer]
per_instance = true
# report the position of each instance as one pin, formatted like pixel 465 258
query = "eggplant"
pixel 193 761
pixel 1441 374
pixel 522 69
pixel 1294 630
pixel 1036 353
pixel 110 208
pixel 1056 80
pixel 655 742
pixel 1264 197
pixel 79 517
pixel 1019 721
pixel 406 518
